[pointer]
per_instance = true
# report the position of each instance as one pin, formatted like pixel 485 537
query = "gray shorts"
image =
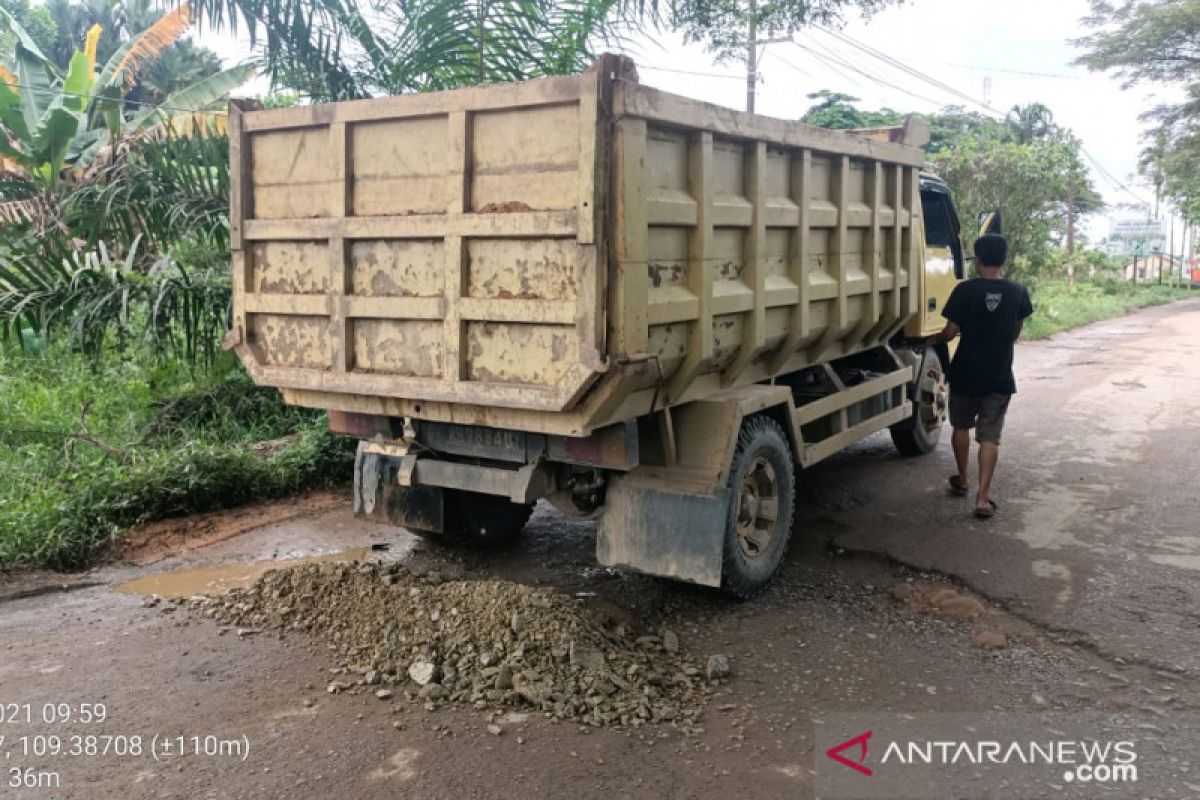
pixel 985 413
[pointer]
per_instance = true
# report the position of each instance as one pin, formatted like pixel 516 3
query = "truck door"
pixel 944 263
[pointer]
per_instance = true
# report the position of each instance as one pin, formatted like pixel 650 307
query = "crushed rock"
pixel 492 644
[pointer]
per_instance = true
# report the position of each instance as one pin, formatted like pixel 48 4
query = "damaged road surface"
pixel 1079 596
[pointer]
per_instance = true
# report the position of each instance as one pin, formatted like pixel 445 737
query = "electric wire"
pixel 879 55
pixel 692 72
pixel 869 76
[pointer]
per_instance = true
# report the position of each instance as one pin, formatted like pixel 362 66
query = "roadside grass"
pixel 1058 307
pixel 88 451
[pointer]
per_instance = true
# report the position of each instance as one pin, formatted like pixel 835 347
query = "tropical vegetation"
pixel 1156 42
pixel 114 286
pixel 1025 165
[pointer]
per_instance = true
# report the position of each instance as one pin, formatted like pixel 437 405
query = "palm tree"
pixel 338 49
pixel 51 118
pixel 74 18
pixel 1151 164
pixel 1029 123
pixel 180 64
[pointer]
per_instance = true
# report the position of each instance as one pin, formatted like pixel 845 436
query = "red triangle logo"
pixel 859 741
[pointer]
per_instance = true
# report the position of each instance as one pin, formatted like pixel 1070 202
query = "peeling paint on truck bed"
pixel 556 255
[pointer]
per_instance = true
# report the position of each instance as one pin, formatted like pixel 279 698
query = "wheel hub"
pixel 933 397
pixel 757 508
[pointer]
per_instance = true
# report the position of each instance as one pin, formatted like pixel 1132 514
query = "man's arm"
pixel 1023 313
pixel 946 335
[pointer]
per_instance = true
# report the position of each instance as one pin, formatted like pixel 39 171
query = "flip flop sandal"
pixel 987 512
pixel 958 489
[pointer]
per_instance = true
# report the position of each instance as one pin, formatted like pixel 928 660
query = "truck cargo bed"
pixel 557 255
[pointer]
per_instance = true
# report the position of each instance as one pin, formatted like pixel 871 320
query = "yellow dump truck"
pixel 639 307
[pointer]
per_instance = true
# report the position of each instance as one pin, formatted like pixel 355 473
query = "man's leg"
pixel 989 454
pixel 961 441
pixel 992 409
pixel 963 410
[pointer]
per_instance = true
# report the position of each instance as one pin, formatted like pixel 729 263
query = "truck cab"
pixel 945 265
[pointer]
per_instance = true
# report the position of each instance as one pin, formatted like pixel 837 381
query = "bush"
pixel 193 479
pixel 1059 307
pixel 89 451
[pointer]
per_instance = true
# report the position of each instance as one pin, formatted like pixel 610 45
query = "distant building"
pixel 1146 269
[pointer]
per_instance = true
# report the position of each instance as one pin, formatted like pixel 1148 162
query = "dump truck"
pixel 641 308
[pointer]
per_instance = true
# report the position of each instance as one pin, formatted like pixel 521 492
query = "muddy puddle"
pixel 221 578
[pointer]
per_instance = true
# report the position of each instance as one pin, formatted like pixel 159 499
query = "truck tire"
pixel 481 520
pixel 919 434
pixel 762 499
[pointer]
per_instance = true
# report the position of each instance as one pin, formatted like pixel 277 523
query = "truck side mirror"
pixel 989 222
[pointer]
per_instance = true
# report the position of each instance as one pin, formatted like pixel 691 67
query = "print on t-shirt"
pixel 993 301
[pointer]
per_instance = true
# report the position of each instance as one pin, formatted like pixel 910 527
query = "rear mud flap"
pixel 655 528
pixel 378 495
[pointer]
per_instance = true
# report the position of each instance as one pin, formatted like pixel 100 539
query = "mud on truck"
pixel 642 308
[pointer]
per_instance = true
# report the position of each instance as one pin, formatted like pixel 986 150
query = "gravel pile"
pixel 487 643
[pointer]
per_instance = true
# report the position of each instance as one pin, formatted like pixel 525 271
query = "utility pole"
pixel 1071 236
pixel 752 57
pixel 752 45
pixel 1171 252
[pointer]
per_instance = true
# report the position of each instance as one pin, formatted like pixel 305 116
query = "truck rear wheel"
pixel 762 498
pixel 919 434
pixel 481 520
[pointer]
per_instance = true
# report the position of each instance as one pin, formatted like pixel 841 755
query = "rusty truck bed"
pixel 557 255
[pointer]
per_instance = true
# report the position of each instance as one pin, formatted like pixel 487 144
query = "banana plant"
pixel 46 124
pixel 51 121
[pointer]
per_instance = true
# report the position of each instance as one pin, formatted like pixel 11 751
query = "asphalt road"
pixel 1080 596
pixel 1098 535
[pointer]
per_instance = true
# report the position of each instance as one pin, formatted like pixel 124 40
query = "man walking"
pixel 988 312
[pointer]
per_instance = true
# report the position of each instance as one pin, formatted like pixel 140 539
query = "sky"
pixel 1020 49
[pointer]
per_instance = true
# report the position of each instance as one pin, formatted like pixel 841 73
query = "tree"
pixel 330 49
pixel 1026 166
pixel 181 64
pixel 723 25
pixel 1144 41
pixel 74 18
pixel 947 127
pixel 954 124
pixel 50 119
pixel 836 110
pixel 1038 188
pixel 1152 162
pixel 1030 123
pixel 37 22
pixel 66 133
pixel 1156 42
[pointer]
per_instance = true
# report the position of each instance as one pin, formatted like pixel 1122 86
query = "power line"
pixel 1005 70
pixel 692 72
pixel 828 66
pixel 900 65
pixel 1106 174
pixel 799 70
pixel 1100 169
pixel 869 76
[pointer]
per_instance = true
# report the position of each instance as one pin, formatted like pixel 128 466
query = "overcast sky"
pixel 962 43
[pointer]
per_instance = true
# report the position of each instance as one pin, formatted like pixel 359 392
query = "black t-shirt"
pixel 987 311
